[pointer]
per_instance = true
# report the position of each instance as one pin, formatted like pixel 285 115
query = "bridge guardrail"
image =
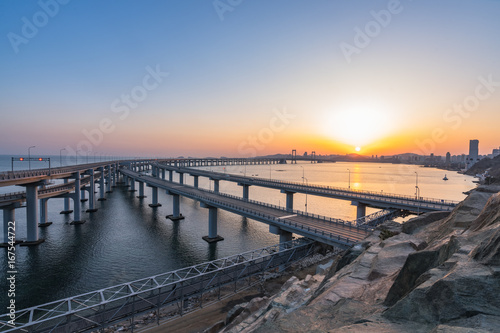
pixel 98 309
pixel 362 230
pixel 303 187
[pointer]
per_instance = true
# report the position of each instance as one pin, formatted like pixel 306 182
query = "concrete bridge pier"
pixel 9 216
pixel 132 185
pixel 285 236
pixel 32 215
pixel 360 209
pixel 171 175
pixel 43 213
pixel 176 216
pixel 196 181
pixel 181 178
pixel 154 192
pixel 115 175
pixel 109 179
pixel 82 195
pixel 216 185
pixel 67 209
pixel 163 174
pixel 101 185
pixel 76 200
pixel 212 224
pixel 91 189
pixel 141 190
pixel 246 189
pixel 289 199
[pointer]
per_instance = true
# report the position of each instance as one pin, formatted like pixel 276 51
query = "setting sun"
pixel 358 124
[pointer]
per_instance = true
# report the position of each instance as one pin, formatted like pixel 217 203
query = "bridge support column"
pixel 76 200
pixel 9 216
pixel 196 181
pixel 285 236
pixel 181 178
pixel 216 185
pixel 115 175
pixel 171 175
pixel 141 190
pixel 360 209
pixel 176 216
pixel 82 195
pixel 101 185
pixel 66 210
pixel 289 200
pixel 110 179
pixel 32 215
pixel 43 213
pixel 91 189
pixel 246 191
pixel 154 192
pixel 212 224
pixel 132 185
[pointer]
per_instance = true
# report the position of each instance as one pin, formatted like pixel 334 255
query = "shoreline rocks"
pixel 439 272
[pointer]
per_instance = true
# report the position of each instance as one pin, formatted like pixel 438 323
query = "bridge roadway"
pixel 362 199
pixel 281 221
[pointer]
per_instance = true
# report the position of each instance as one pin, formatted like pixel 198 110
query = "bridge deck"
pixel 374 199
pixel 330 231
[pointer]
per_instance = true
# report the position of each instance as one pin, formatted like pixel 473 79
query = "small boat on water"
pixel 445 178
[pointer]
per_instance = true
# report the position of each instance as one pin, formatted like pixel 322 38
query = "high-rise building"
pixel 473 153
pixel 448 158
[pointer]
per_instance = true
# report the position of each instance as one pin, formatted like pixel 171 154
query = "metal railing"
pixel 311 188
pixel 317 232
pixel 99 309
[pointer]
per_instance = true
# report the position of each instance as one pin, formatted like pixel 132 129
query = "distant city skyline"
pixel 247 78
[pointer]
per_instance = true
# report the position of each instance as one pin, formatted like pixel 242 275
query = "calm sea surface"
pixel 127 240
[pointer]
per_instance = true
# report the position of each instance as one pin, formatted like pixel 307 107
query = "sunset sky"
pixel 252 77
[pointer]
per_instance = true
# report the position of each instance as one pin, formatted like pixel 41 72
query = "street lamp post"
pixel 302 174
pixel 29 157
pixel 60 156
pixel 417 189
pixel 307 184
pixel 349 178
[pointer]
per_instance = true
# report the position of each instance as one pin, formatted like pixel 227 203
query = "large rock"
pixel 467 290
pixel 415 224
pixel 488 252
pixel 489 215
pixel 417 264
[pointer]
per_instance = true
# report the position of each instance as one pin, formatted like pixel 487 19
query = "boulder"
pixel 467 290
pixel 415 224
pixel 488 252
pixel 235 312
pixel 322 269
pixel 489 215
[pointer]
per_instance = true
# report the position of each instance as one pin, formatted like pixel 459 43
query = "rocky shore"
pixel 439 272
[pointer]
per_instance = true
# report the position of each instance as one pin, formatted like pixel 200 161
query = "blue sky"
pixel 226 78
